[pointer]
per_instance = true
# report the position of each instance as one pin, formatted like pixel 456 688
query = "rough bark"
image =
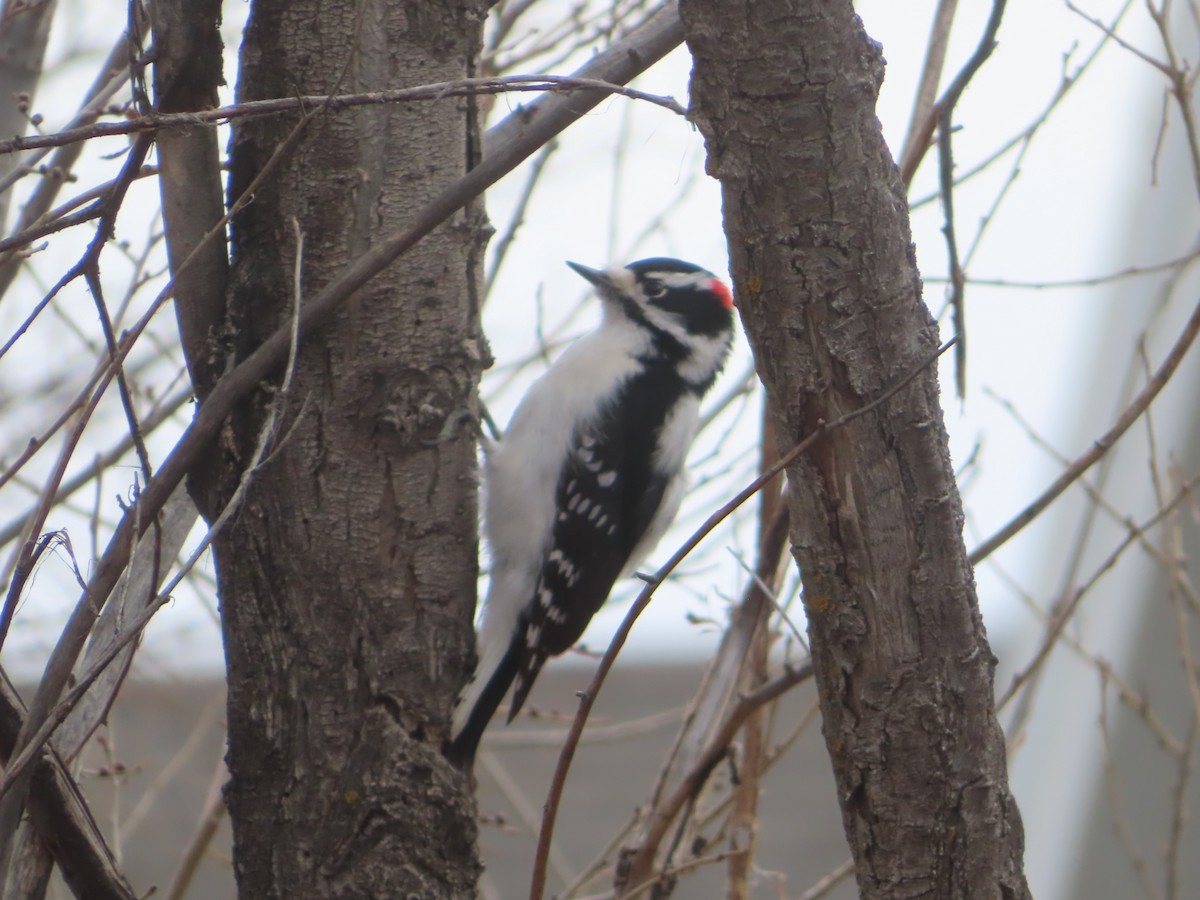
pixel 347 580
pixel 829 294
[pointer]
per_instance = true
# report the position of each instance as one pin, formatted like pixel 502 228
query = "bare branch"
pixel 957 276
pixel 113 74
pixel 518 216
pixel 1066 607
pixel 1169 265
pixel 214 811
pixel 61 816
pixel 465 87
pixel 1101 446
pixel 160 414
pixel 717 748
pixel 823 887
pixel 931 75
pixel 919 140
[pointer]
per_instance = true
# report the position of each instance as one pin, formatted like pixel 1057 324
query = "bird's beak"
pixel 598 277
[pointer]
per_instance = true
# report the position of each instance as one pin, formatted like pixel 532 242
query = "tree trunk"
pixel 347 577
pixel 827 286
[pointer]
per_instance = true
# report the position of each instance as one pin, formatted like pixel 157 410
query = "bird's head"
pixel 687 310
pixel 663 293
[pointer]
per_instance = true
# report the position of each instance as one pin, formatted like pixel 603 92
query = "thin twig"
pixel 718 746
pixel 1112 35
pixel 15 771
pixel 1119 818
pixel 943 114
pixel 1138 704
pixel 13 802
pixel 1025 136
pixel 674 872
pixel 957 276
pixel 210 819
pixel 111 77
pixel 464 87
pixel 1101 446
pixel 1181 85
pixel 1180 811
pixel 102 461
pixel 1065 608
pixel 536 168
pixel 931 76
pixel 829 882
pixel 517 798
pixel 742 650
pixel 1128 272
pixel 62 818
pixel 920 139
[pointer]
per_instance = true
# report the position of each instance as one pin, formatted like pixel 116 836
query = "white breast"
pixel 522 469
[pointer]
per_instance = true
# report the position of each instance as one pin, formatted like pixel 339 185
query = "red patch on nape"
pixel 717 286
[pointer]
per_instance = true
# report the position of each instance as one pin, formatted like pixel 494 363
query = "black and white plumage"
pixel 590 472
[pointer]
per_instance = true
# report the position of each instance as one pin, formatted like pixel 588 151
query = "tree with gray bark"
pixel 820 245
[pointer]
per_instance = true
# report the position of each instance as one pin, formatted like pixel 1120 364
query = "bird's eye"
pixel 653 288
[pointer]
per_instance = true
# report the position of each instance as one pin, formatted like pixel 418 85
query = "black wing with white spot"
pixel 607 495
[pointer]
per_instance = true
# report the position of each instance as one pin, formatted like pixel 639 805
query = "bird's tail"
pixel 526 670
pixel 479 702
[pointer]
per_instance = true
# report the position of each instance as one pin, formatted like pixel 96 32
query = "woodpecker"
pixel 590 472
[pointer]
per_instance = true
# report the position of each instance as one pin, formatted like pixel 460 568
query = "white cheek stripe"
pixel 667 322
pixel 684 279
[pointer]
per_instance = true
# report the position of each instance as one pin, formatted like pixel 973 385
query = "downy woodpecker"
pixel 590 472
